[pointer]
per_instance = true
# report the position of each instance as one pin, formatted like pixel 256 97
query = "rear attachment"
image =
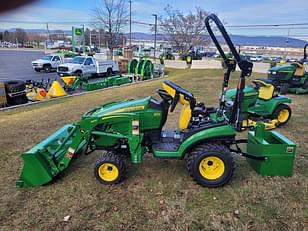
pixel 50 157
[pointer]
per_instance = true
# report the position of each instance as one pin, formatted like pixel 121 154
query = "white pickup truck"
pixel 87 65
pixel 48 63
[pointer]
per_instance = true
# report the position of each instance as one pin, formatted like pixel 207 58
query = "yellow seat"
pixel 300 69
pixel 185 114
pixel 266 90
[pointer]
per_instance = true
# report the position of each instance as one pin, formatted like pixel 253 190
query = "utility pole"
pixel 90 39
pixel 155 16
pixel 130 24
pixel 48 36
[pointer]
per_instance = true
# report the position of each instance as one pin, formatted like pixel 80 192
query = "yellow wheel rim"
pixel 283 116
pixel 188 59
pixel 108 172
pixel 211 167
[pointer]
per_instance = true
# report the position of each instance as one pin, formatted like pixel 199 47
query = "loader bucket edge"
pixel 41 161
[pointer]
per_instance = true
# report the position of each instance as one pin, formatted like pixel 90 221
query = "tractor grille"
pixel 35 64
pixel 62 69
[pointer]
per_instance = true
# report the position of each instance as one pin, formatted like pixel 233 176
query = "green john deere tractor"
pixel 191 55
pixel 166 55
pixel 291 77
pixel 128 129
pixel 260 103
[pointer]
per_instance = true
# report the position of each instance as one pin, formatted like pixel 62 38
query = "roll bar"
pixel 244 65
pixel 305 51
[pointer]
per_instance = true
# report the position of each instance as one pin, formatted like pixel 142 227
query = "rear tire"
pixel 282 113
pixel 110 169
pixel 210 165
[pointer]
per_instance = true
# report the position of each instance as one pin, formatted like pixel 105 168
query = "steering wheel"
pixel 164 95
pixel 168 98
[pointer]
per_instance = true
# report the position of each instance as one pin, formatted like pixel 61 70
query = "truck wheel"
pixel 78 73
pixel 47 68
pixel 282 113
pixel 109 72
pixel 110 169
pixel 210 165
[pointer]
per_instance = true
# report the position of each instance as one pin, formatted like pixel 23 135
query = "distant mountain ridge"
pixel 272 41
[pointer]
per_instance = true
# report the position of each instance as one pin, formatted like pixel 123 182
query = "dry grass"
pixel 157 195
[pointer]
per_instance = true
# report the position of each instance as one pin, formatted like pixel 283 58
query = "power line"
pixel 268 25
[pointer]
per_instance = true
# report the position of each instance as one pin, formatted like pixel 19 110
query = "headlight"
pixel 274 73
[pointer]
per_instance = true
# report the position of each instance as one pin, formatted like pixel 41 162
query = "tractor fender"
pixel 276 101
pixel 225 132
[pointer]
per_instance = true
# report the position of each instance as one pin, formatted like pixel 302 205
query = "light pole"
pixel 130 24
pixel 155 28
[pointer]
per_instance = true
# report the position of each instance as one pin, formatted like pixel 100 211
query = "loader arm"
pixel 53 155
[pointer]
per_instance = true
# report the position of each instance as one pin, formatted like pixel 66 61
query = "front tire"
pixel 110 169
pixel 47 68
pixel 210 165
pixel 189 59
pixel 109 72
pixel 282 114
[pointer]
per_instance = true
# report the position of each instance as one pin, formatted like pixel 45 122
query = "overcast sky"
pixel 236 12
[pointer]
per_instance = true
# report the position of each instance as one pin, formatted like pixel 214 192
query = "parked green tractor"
pixel 260 103
pixel 191 55
pixel 166 55
pixel 291 77
pixel 128 129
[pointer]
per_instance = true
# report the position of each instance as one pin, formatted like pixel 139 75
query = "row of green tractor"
pixel 206 138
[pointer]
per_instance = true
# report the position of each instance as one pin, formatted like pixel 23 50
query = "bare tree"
pixel 185 30
pixel 21 36
pixel 111 16
pixel 36 38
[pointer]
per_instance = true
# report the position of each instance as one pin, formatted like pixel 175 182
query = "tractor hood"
pixel 281 72
pixel 249 92
pixel 125 106
pixel 286 67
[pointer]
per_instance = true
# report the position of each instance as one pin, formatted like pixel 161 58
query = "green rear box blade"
pixel 41 162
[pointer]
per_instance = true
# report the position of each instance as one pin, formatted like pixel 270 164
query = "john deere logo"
pixel 290 149
pixel 78 31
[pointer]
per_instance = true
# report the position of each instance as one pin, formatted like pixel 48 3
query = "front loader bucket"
pixel 45 160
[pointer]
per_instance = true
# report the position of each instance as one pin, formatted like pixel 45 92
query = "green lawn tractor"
pixel 166 55
pixel 191 55
pixel 260 103
pixel 291 77
pixel 129 129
